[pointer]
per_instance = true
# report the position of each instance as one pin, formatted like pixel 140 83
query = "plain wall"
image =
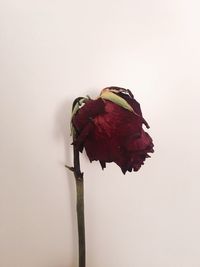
pixel 54 51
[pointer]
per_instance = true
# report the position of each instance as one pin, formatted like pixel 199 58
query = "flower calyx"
pixel 77 104
pixel 111 94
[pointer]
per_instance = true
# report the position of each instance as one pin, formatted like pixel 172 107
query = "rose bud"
pixel 110 129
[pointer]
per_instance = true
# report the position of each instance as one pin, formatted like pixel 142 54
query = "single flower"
pixel 110 129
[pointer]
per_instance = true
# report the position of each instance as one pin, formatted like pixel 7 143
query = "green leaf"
pixel 107 95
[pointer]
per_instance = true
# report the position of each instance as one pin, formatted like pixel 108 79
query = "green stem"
pixel 80 219
pixel 80 207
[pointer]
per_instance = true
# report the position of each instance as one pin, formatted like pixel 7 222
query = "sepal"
pixel 118 100
pixel 77 104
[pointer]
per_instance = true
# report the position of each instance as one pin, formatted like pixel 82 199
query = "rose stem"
pixel 79 206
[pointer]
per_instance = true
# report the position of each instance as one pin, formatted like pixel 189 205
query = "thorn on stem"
pixel 69 168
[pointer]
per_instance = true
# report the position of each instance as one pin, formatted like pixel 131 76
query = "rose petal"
pixel 111 133
pixel 91 109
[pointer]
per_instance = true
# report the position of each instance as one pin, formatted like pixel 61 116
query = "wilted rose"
pixel 110 129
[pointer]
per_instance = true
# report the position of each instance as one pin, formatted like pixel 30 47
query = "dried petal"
pixel 110 130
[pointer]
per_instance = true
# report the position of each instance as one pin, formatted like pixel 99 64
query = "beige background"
pixel 54 51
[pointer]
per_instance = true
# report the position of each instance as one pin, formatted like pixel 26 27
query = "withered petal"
pixel 110 133
pixel 86 113
pixel 103 164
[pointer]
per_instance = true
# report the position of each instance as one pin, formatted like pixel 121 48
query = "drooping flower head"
pixel 110 129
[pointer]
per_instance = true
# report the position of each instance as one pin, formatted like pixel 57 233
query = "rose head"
pixel 110 129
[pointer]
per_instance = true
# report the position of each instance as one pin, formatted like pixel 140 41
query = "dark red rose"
pixel 110 129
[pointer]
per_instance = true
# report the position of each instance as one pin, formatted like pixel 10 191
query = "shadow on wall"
pixel 62 134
